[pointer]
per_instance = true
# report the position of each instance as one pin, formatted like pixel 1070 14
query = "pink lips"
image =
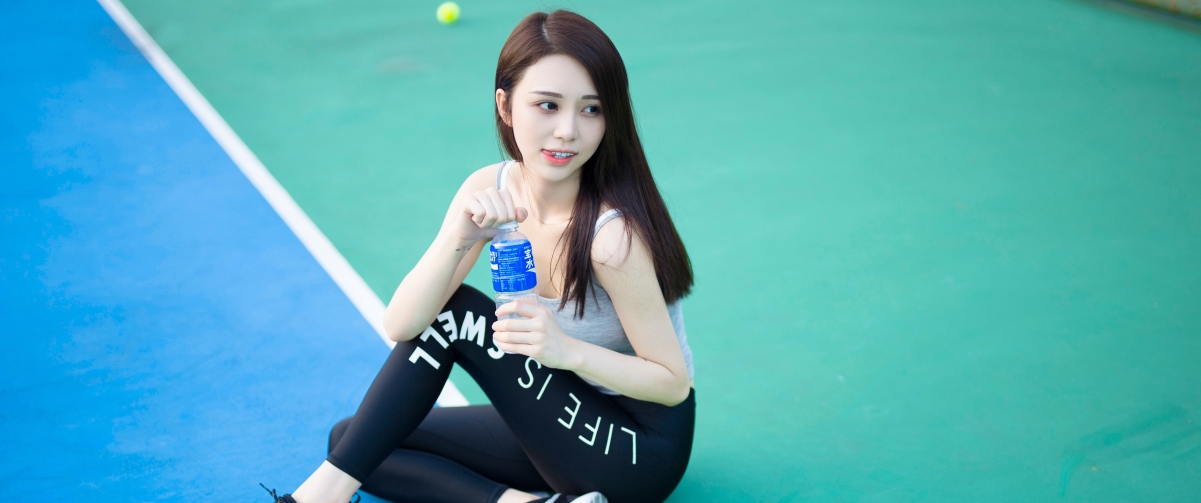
pixel 550 157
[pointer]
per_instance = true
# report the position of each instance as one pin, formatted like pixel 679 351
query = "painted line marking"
pixel 343 274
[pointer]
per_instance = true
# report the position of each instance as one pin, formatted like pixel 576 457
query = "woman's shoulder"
pixel 482 178
pixel 612 244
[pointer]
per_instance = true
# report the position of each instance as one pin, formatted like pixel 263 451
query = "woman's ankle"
pixel 328 484
pixel 514 496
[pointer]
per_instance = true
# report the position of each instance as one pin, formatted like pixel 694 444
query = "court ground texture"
pixel 944 250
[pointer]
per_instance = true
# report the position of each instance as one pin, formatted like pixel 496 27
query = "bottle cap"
pixel 508 225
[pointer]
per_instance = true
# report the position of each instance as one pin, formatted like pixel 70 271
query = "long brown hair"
pixel 617 174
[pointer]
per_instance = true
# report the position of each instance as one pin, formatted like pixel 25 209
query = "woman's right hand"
pixel 483 212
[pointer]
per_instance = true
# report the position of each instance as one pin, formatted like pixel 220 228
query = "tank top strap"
pixel 605 218
pixel 502 174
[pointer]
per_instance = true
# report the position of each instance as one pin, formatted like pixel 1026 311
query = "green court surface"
pixel 944 250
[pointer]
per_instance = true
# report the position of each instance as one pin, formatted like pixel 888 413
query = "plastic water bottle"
pixel 512 260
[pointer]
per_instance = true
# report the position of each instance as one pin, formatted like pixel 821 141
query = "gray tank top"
pixel 600 324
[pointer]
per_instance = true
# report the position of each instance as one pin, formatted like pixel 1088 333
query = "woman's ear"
pixel 501 106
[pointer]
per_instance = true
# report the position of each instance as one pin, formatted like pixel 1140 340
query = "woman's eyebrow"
pixel 557 95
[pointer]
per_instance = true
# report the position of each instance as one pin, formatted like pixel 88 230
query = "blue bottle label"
pixel 512 266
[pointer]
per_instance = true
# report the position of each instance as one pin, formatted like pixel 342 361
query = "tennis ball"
pixel 448 12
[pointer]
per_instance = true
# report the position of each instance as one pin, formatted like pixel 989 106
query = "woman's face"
pixel 556 117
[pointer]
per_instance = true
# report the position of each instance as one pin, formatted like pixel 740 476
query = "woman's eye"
pixel 593 109
pixel 547 105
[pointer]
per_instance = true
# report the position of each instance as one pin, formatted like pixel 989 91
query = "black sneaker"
pixel 592 497
pixel 287 498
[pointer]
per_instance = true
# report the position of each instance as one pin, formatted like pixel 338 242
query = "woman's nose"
pixel 566 128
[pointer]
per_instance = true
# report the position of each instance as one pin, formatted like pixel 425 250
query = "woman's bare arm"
pixel 445 263
pixel 658 374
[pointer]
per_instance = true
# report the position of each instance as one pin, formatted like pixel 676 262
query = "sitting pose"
pixel 591 384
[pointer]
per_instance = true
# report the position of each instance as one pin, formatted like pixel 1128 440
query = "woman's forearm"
pixel 631 376
pixel 412 307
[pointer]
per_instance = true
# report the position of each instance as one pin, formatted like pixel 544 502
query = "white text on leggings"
pixel 572 413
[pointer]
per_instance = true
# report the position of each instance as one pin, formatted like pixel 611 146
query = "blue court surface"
pixel 166 335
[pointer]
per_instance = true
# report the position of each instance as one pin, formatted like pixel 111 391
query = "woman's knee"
pixel 467 297
pixel 471 315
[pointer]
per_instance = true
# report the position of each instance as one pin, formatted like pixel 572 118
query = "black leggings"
pixel 546 430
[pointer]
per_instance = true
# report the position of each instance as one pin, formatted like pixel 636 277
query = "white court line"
pixel 368 304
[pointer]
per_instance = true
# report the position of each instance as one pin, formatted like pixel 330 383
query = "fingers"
pixel 517 325
pixel 522 349
pixel 510 208
pixel 504 212
pixel 483 212
pixel 478 211
pixel 515 338
pixel 530 321
pixel 528 308
pixel 532 334
pixel 491 207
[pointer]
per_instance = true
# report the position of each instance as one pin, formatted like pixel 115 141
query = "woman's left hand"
pixel 537 335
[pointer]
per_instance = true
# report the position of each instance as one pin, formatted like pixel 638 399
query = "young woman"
pixel 591 387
